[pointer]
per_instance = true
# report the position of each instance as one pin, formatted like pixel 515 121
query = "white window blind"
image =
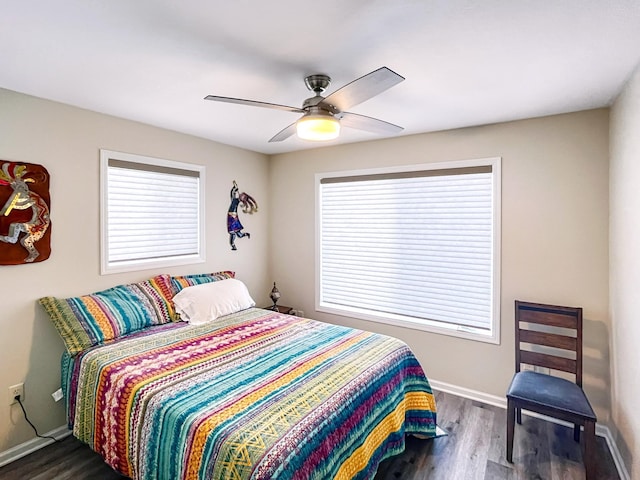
pixel 417 245
pixel 151 212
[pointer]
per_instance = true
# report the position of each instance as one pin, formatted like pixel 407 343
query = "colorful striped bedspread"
pixel 255 395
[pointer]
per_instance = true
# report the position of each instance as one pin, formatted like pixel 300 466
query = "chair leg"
pixel 576 432
pixel 511 414
pixel 590 450
pixel 519 415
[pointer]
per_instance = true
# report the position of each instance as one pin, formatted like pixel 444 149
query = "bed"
pixel 254 394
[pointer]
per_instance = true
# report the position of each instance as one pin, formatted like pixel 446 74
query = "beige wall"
pixel 625 271
pixel 554 235
pixel 66 140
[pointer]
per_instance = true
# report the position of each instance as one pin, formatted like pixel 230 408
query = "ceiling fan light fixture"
pixel 318 127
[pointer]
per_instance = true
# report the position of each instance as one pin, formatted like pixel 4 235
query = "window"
pixel 152 212
pixel 415 246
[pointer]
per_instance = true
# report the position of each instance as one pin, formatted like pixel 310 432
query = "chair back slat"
pixel 548 361
pixel 548 339
pixel 549 317
pixel 553 319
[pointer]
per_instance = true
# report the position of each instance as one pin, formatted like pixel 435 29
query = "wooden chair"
pixel 546 394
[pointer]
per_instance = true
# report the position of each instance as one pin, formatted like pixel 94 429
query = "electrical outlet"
pixel 16 391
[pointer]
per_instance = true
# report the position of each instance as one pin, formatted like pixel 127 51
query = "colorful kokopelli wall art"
pixel 248 204
pixel 25 227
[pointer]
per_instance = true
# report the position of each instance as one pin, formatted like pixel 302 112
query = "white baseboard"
pixel 32 445
pixel 615 453
pixel 501 402
pixel 59 433
pixel 470 394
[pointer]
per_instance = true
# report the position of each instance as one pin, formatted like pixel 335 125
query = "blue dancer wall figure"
pixel 248 204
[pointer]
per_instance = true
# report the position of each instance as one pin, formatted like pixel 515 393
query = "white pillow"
pixel 204 303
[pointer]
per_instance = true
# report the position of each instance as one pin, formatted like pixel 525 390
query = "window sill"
pixel 468 333
pixel 152 263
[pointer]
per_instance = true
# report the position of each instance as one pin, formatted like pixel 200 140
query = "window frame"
pixel 491 336
pixel 107 267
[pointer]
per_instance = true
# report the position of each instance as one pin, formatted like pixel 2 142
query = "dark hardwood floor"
pixel 473 449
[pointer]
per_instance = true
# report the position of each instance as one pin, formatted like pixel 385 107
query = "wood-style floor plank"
pixel 473 449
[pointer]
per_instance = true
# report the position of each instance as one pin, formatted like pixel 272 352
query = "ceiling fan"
pixel 323 116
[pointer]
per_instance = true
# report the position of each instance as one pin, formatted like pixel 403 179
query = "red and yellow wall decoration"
pixel 25 226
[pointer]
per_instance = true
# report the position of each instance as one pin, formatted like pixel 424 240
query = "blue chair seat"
pixel 550 392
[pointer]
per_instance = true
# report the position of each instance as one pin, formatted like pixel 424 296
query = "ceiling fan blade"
pixel 253 103
pixel 285 133
pixel 363 88
pixel 370 124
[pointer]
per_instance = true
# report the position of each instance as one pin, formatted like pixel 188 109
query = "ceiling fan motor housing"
pixel 316 104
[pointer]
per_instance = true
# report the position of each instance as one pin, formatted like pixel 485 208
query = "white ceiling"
pixel 466 62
